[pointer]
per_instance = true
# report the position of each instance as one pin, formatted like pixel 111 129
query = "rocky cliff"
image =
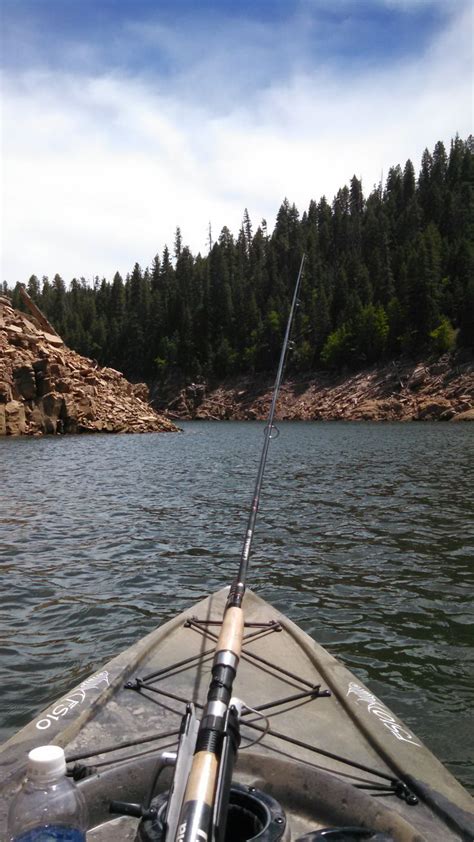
pixel 47 388
pixel 441 390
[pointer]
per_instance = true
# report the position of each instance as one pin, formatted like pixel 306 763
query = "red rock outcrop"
pixel 46 388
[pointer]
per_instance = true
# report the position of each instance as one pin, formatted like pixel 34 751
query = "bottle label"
pixel 52 833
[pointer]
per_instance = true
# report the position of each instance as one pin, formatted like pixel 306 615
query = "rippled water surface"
pixel 365 539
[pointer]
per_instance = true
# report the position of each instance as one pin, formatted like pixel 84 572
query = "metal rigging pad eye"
pixel 271 431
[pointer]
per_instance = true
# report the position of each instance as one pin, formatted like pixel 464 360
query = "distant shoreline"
pixel 401 390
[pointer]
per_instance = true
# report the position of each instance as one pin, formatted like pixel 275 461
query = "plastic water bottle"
pixel 48 808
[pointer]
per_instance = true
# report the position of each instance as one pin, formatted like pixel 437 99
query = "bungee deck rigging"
pixel 152 683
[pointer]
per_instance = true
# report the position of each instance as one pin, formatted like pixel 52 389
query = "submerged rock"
pixel 468 415
pixel 13 421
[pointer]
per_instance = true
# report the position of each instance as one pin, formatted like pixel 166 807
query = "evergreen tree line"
pixel 385 275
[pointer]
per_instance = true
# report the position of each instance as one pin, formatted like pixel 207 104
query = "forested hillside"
pixel 386 275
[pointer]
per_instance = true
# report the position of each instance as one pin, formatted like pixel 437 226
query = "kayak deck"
pixel 318 740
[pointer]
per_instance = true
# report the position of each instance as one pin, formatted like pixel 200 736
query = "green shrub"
pixel 443 337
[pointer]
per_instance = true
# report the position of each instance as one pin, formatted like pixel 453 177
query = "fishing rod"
pixel 238 589
pixel 197 806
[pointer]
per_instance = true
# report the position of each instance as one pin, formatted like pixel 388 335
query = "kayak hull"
pixel 319 742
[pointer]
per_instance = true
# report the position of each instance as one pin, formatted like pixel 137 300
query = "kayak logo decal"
pixel 376 707
pixel 77 697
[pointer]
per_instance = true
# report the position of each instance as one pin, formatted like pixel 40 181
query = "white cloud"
pixel 99 172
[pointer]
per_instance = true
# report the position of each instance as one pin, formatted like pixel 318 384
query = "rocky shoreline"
pixel 45 388
pixel 441 390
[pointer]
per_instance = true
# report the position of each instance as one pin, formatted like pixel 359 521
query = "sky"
pixel 123 119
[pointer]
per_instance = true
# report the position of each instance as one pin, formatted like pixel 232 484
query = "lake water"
pixel 364 538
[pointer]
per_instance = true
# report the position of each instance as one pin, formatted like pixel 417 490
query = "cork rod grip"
pixel 232 631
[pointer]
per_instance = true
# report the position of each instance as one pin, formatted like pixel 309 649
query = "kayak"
pixel 318 750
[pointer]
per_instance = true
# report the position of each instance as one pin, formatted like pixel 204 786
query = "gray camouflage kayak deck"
pixel 313 736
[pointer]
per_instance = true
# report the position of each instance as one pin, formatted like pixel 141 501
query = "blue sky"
pixel 140 36
pixel 125 118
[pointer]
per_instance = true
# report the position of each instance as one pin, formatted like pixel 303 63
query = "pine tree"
pixel 178 243
pixel 247 230
pixel 58 304
pixel 33 288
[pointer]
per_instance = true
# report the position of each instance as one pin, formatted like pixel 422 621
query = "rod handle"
pixel 232 631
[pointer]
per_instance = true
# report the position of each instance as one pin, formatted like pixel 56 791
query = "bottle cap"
pixel 46 762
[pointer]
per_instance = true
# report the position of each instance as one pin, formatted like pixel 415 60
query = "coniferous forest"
pixel 386 275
